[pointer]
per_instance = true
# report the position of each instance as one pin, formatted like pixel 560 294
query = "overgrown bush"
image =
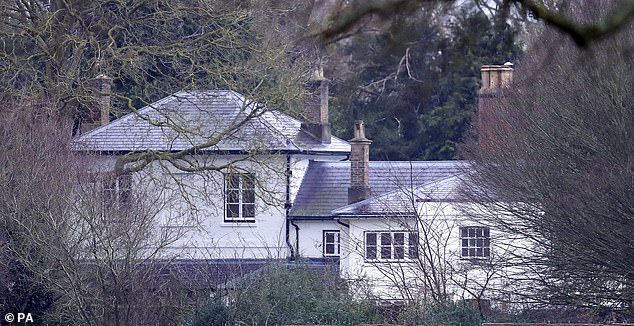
pixel 434 314
pixel 298 295
pixel 213 314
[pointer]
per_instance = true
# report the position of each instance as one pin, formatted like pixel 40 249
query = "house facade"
pixel 231 180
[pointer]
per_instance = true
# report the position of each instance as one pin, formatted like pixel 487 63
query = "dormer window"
pixel 240 198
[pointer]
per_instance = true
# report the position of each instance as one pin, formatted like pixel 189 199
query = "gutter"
pixel 341 223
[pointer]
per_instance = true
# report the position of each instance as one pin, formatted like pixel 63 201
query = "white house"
pixel 239 182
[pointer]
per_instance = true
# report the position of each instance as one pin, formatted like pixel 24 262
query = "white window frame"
pixel 475 242
pixel 335 244
pixel 386 247
pixel 244 197
pixel 117 190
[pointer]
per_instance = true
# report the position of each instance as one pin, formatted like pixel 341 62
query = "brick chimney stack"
pixel 495 79
pixel 359 165
pixel 316 110
pixel 98 111
pixel 103 86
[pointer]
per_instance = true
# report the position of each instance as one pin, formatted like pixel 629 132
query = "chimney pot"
pixel 496 77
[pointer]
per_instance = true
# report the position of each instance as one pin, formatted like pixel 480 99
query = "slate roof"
pixel 190 118
pixel 325 185
pixel 404 201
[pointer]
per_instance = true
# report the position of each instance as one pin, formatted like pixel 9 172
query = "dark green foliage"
pixel 433 314
pixel 21 292
pixel 214 314
pixel 416 86
pixel 297 295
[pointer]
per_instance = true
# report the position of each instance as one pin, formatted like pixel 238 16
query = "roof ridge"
pixel 126 117
pixel 278 130
pixel 153 107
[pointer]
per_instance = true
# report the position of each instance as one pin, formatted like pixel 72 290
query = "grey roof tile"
pixel 405 200
pixel 191 118
pixel 325 185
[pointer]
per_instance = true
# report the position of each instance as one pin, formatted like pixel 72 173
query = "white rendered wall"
pixel 190 208
pixel 439 269
pixel 311 236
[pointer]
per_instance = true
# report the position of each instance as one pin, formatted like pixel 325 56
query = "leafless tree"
pixel 347 15
pixel 81 248
pixel 558 172
pixel 419 254
pixel 150 49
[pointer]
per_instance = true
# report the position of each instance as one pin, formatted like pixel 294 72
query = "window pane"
pixel 247 181
pixel 486 232
pixel 370 252
pixel 330 249
pixel 248 196
pixel 125 181
pixel 124 196
pixel 399 252
pixel 370 238
pixel 465 252
pixel 386 238
pixel 233 181
pixel 370 245
pixel 463 232
pixel 233 210
pixel 386 252
pixel 248 210
pixel 109 197
pixel 413 245
pixel 330 237
pixel 125 188
pixel 399 238
pixel 233 196
pixel 487 252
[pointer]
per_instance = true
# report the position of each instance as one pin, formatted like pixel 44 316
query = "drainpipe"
pixel 287 207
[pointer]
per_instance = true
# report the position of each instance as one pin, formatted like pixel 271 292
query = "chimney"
pixel 359 165
pixel 495 79
pixel 98 111
pixel 103 85
pixel 316 110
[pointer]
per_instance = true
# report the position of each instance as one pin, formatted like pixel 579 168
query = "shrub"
pixel 435 314
pixel 297 295
pixel 213 314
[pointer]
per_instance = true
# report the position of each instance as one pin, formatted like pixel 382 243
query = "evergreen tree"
pixel 418 95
